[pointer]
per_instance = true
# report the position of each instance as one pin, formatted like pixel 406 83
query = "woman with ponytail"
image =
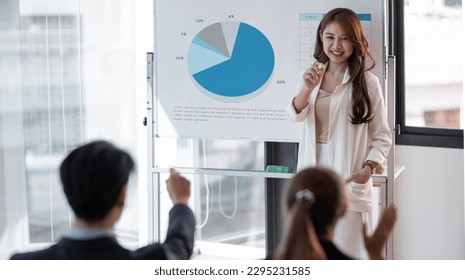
pixel 344 119
pixel 315 201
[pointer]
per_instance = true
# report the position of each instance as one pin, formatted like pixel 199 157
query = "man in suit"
pixel 94 178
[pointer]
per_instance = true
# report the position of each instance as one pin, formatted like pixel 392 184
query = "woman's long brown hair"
pixel 362 108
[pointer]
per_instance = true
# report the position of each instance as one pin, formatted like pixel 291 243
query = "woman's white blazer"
pixel 350 145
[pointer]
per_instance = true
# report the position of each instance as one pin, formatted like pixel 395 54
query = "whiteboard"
pixel 226 69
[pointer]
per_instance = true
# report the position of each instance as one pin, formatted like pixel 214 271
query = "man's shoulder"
pixel 153 251
pixel 44 254
pixel 69 249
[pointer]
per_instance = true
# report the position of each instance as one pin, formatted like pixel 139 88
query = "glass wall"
pixel 52 114
pixel 72 72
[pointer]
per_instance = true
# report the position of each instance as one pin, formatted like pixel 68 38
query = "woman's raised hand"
pixel 311 78
pixel 313 75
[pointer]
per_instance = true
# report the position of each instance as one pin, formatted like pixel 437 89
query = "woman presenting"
pixel 345 125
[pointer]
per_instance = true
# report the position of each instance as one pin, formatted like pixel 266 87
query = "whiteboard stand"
pixel 153 190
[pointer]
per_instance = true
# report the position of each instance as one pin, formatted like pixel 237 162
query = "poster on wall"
pixel 226 69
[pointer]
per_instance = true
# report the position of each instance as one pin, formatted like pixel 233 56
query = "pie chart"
pixel 230 60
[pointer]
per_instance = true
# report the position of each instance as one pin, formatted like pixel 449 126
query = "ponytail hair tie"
pixel 305 195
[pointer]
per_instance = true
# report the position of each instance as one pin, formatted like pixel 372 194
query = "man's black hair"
pixel 93 176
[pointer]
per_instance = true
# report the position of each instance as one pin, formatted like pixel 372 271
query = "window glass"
pixel 229 210
pixel 74 70
pixel 433 63
pixel 52 113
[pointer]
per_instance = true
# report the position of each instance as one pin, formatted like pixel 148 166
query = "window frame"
pixel 410 135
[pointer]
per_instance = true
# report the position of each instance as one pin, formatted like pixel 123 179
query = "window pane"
pixel 50 52
pixel 433 63
pixel 228 209
pixel 80 66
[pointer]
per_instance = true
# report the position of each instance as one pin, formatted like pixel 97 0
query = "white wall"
pixel 430 200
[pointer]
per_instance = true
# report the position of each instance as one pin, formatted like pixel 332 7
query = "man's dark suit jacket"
pixel 178 244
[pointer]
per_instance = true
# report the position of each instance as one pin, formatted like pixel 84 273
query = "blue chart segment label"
pixel 230 59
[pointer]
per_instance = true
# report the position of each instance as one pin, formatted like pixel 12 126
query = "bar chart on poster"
pixel 226 69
